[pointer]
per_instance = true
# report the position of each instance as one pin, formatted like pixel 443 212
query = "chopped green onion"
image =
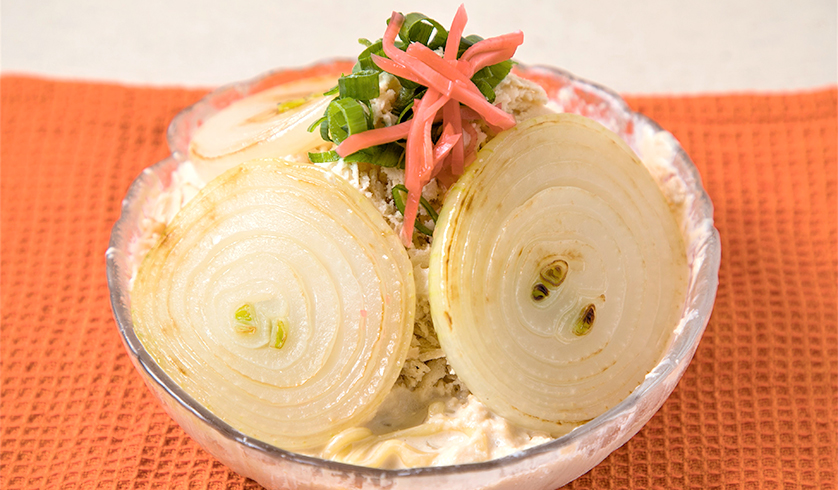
pixel 403 115
pixel 485 89
pixel 315 124
pixel 365 58
pixel 331 91
pixel 388 155
pixel 351 112
pixel 418 28
pixel 345 118
pixel 399 194
pixel 362 85
pixel 489 77
pixel 406 98
pixel 324 128
pixel 467 42
pixel 323 156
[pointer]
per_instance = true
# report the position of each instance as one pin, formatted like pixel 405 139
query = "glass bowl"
pixel 547 466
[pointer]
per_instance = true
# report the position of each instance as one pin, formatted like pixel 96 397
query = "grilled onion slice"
pixel 269 124
pixel 279 299
pixel 557 273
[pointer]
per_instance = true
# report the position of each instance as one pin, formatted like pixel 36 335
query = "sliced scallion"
pixel 345 118
pixel 316 123
pixel 418 28
pixel 365 58
pixel 352 111
pixel 467 42
pixel 323 156
pixel 406 113
pixel 399 195
pixel 362 85
pixel 485 89
pixel 388 155
pixel 489 77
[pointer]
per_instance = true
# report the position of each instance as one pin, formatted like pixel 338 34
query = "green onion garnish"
pixel 418 28
pixel 316 123
pixel 364 61
pixel 345 117
pixel 362 85
pixel 350 113
pixel 489 77
pixel 323 156
pixel 399 194
pixel 389 155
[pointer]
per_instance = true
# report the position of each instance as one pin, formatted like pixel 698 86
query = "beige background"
pixel 637 47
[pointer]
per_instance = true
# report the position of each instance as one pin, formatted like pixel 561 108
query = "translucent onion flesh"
pixel 557 273
pixel 280 300
pixel 271 123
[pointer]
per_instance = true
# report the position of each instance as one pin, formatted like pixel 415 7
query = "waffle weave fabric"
pixel 757 408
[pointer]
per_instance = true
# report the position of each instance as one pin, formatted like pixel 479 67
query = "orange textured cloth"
pixel 757 408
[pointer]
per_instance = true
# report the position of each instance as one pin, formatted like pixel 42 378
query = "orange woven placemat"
pixel 757 408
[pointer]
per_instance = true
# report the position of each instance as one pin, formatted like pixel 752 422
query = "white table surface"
pixel 635 47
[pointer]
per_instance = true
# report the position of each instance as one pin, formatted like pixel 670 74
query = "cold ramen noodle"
pixel 427 265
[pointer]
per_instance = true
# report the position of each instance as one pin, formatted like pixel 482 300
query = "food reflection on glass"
pixel 423 262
